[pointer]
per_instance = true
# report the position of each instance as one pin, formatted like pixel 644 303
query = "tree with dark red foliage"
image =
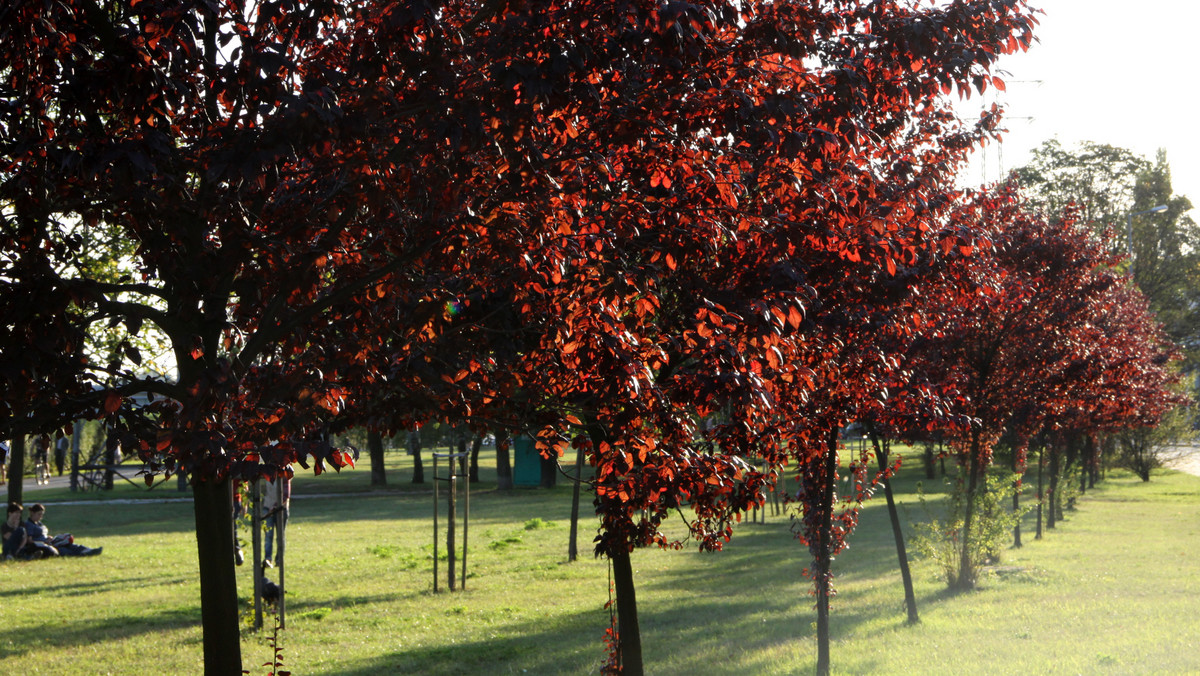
pixel 197 131
pixel 684 187
pixel 1031 346
pixel 619 216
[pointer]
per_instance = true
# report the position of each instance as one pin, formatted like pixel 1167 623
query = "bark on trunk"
pixel 1085 464
pixel 1019 470
pixel 213 502
pixel 1051 512
pixel 375 450
pixel 414 449
pixel 824 558
pixel 503 463
pixel 573 545
pixel 110 459
pixel 629 635
pixel 1041 498
pixel 930 461
pixel 966 567
pixel 16 470
pixel 473 471
pixel 549 468
pixel 882 451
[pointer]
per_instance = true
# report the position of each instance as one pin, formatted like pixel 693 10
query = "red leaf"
pixel 112 402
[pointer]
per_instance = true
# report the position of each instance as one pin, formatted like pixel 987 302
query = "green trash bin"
pixel 527 462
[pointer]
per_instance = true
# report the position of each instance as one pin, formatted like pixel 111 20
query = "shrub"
pixel 939 540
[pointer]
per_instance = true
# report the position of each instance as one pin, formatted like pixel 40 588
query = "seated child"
pixel 62 544
pixel 14 538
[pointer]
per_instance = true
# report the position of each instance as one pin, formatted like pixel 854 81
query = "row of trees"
pixel 684 238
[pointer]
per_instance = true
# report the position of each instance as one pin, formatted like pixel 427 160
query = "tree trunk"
pixel 549 468
pixel 823 563
pixel 1051 512
pixel 414 449
pixel 473 471
pixel 628 633
pixel 213 502
pixel 882 451
pixel 76 433
pixel 966 567
pixel 1041 498
pixel 504 480
pixel 16 470
pixel 375 450
pixel 1085 464
pixel 930 460
pixel 1019 470
pixel 110 459
pixel 573 545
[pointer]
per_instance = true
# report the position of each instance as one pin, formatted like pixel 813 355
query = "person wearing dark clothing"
pixel 60 453
pixel 13 536
pixel 62 544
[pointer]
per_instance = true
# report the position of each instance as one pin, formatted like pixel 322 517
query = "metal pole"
pixel 435 524
pixel 281 519
pixel 256 538
pixel 281 530
pixel 450 519
pixel 466 525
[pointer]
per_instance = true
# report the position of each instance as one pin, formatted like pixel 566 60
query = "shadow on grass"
pixel 67 635
pixel 571 644
pixel 101 520
pixel 86 588
pixel 568 644
pixel 486 503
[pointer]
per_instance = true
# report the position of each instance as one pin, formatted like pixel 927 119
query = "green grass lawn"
pixel 1114 590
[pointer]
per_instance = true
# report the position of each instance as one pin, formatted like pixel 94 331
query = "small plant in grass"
pixel 315 614
pixel 382 551
pixel 498 545
pixel 276 652
pixel 939 539
pixel 428 549
pixel 538 524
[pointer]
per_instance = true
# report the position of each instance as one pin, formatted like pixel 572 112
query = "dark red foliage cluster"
pixel 1037 333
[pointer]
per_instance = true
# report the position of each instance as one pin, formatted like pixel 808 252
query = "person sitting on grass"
pixel 60 544
pixel 12 533
pixel 14 537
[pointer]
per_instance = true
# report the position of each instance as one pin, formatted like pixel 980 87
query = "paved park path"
pixel 160 495
pixel 1185 458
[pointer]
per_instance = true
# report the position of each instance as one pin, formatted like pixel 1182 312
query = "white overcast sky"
pixel 1122 72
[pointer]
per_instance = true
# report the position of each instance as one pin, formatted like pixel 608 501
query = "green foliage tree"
pixel 1166 260
pixel 1141 450
pixel 1096 177
pixel 1107 184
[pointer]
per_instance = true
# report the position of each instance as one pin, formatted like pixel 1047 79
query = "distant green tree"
pixel 1098 178
pixel 1107 184
pixel 1141 450
pixel 1166 259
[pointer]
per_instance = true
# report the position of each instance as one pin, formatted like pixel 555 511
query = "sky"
pixel 1119 72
